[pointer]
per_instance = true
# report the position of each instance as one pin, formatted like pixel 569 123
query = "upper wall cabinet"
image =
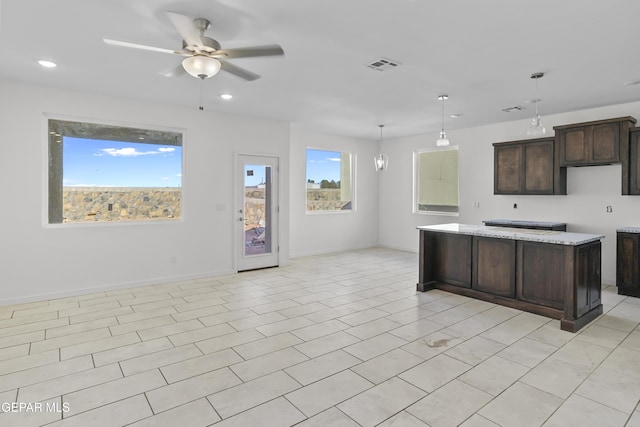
pixel 528 167
pixel 601 142
pixel 634 161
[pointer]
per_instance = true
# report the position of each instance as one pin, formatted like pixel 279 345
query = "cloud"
pixel 132 152
pixel 333 159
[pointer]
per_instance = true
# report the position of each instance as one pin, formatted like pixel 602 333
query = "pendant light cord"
pixel 537 98
pixel 442 131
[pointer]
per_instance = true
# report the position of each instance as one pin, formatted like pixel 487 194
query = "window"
pixel 103 173
pixel 436 181
pixel 329 187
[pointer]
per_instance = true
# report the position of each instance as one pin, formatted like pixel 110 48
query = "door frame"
pixel 238 228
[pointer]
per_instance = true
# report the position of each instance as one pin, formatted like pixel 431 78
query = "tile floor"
pixel 334 340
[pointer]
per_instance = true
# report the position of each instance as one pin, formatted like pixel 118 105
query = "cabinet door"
pixel 508 169
pixel 595 275
pixel 634 163
pixel 540 273
pixel 494 267
pixel 605 143
pixel 574 147
pixel 538 168
pixel 628 260
pixel 588 278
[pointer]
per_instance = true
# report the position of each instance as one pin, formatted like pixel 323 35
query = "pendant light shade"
pixel 536 128
pixel 442 141
pixel 381 161
pixel 201 66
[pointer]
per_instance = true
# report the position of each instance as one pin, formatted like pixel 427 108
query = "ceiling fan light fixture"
pixel 201 66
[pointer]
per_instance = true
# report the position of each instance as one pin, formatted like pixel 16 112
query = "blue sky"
pixel 323 164
pixel 320 165
pixel 99 163
pixel 254 175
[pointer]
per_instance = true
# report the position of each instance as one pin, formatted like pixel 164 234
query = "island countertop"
pixel 543 236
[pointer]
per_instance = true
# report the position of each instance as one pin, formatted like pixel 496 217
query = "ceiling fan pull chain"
pixel 201 107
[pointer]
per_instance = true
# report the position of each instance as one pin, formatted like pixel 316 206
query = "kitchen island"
pixel 552 273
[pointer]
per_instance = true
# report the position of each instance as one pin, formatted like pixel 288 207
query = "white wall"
pixel 317 233
pixel 39 261
pixel 590 189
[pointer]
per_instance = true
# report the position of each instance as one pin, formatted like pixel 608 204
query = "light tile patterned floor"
pixel 333 340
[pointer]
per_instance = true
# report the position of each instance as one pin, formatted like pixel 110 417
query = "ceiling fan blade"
pixel 238 71
pixel 174 72
pixel 186 28
pixel 245 52
pixel 143 47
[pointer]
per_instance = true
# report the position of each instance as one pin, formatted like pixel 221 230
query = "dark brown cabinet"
pixel 554 280
pixel 588 261
pixel 528 167
pixel 450 259
pixel 541 274
pixel 628 263
pixel 601 142
pixel 494 266
pixel 634 161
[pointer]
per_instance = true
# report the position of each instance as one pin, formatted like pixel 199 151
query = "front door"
pixel 257 212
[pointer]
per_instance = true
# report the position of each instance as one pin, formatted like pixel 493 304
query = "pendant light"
pixel 536 128
pixel 381 161
pixel 443 141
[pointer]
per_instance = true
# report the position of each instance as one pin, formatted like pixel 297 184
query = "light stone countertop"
pixel 628 230
pixel 543 236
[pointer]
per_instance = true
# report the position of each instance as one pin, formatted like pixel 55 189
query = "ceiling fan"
pixel 204 55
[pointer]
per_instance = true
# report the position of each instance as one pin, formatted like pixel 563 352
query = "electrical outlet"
pixel 476 205
pixel 609 209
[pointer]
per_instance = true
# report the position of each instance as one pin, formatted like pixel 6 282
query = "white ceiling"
pixel 480 53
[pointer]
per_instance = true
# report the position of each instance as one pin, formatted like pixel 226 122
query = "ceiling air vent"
pixel 382 64
pixel 514 108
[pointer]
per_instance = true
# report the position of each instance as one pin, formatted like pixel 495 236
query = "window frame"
pixel 352 175
pixel 416 179
pixel 79 127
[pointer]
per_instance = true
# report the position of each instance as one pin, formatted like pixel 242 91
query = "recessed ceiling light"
pixel 632 82
pixel 226 96
pixel 455 116
pixel 47 64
